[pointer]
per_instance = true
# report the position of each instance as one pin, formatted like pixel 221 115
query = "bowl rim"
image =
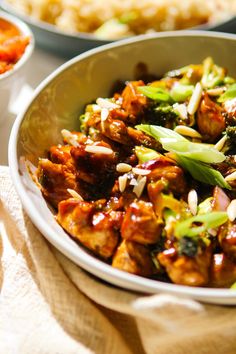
pixel 87 261
pixel 26 31
pixel 43 25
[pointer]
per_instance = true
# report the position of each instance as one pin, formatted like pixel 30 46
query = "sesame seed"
pixel 123 167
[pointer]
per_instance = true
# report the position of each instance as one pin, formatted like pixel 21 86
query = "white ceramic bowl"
pixel 11 81
pixel 58 102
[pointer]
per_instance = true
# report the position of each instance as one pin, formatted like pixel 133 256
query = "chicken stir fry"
pixel 148 183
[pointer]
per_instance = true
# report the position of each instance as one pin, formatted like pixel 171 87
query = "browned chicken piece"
pixel 223 271
pixel 81 138
pixel 140 223
pixel 194 74
pixel 227 167
pixel 230 110
pixel 133 258
pixel 139 138
pixel 94 167
pixel 220 200
pixel 184 270
pixel 134 102
pixel 55 179
pixel 227 239
pixel 115 130
pixel 161 202
pixel 210 119
pixel 98 231
pixel 172 175
pixel 118 113
pixel 60 154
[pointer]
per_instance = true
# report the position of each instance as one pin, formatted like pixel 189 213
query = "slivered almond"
pixel 187 131
pixel 231 177
pixel 220 144
pixel 103 103
pixel 231 210
pixel 140 171
pixel 123 167
pixel 133 182
pixel 216 91
pixel 195 99
pixel 181 109
pixel 69 137
pixel 122 182
pixel 138 189
pixel 104 114
pixel 193 201
pixel 96 108
pixel 96 149
pixel 74 194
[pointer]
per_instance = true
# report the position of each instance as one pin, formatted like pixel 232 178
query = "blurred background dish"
pixel 57 104
pixel 70 27
pixel 16 47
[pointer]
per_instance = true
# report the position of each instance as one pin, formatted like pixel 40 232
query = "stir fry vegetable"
pixel 148 184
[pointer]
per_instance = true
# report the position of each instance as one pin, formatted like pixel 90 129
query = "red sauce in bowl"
pixel 12 45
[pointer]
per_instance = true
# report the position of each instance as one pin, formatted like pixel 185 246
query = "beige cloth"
pixel 48 305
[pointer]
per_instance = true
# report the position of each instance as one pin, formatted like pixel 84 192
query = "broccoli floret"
pixel 231 132
pixel 230 144
pixel 163 115
pixel 188 246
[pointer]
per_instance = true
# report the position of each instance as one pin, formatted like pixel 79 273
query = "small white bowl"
pixel 12 80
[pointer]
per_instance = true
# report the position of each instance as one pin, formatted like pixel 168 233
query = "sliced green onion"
pixel 155 93
pixel 202 172
pixel 178 72
pixel 229 80
pixel 144 154
pixel 208 221
pixel 213 74
pixel 195 151
pixel 180 92
pixel 205 206
pixel 229 94
pixel 174 142
pixel 158 132
pixel 198 170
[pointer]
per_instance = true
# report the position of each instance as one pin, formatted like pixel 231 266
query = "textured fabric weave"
pixel 48 305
